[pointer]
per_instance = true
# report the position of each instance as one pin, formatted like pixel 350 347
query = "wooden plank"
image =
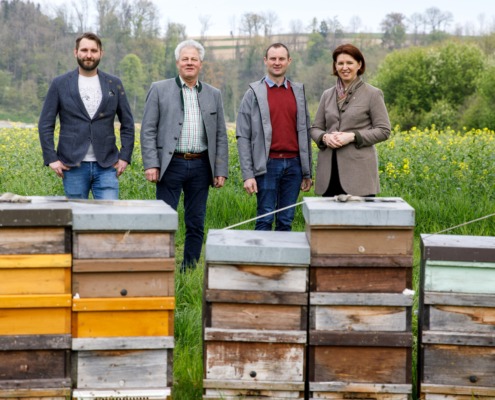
pixel 260 385
pixel 122 369
pixel 359 387
pixel 352 260
pixel 361 299
pixel 124 265
pixel 348 241
pixel 461 339
pixel 252 335
pixel 376 365
pixel 250 297
pixel 123 343
pixel 353 318
pixel 121 394
pixel 10 261
pixel 360 279
pixel 35 301
pixel 457 390
pixel 461 277
pixel 254 361
pixel 31 281
pixel 123 304
pixel 459 365
pixel 258 278
pixel 358 396
pixel 36 394
pixel 462 319
pixel 26 365
pixel 459 299
pixel 256 316
pixel 32 241
pixel 251 394
pixel 128 244
pixel 458 248
pixel 356 339
pixel 474 396
pixel 35 342
pixel 122 323
pixel 35 321
pixel 123 284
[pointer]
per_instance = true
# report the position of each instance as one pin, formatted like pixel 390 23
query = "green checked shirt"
pixel 192 138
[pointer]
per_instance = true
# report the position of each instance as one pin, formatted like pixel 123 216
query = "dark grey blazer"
pixel 78 130
pixel 162 125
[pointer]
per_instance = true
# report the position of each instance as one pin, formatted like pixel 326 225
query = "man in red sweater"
pixel 273 141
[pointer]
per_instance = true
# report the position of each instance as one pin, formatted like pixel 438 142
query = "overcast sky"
pixel 225 16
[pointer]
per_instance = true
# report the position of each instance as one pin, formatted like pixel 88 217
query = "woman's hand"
pixel 336 140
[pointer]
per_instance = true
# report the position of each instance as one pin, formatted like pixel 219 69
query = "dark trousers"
pixel 193 177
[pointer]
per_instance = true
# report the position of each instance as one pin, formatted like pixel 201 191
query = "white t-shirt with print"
pixel 90 91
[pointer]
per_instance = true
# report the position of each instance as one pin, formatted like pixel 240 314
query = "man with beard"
pixel 86 101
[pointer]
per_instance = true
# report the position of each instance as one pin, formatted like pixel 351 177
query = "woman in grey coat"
pixel 350 120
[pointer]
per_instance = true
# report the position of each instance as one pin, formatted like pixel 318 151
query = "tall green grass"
pixel 448 177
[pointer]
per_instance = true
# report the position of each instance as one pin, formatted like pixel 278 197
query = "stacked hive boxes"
pixel 255 315
pixel 360 338
pixel 457 321
pixel 123 288
pixel 35 301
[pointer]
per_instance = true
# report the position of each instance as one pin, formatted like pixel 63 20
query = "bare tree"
pixel 355 23
pixel 415 21
pixel 80 9
pixel 437 19
pixel 205 24
pixel 251 24
pixel 394 30
pixel 270 21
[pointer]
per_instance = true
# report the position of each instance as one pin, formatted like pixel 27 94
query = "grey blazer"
pixel 162 123
pixel 254 130
pixel 364 113
pixel 78 130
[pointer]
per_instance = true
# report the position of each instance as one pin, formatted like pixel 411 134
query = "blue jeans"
pixel 89 176
pixel 278 188
pixel 194 178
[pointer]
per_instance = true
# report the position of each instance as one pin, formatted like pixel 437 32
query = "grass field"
pixel 447 176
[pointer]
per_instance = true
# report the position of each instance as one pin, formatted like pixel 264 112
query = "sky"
pixel 224 16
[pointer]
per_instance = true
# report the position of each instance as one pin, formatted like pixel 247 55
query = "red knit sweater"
pixel 283 117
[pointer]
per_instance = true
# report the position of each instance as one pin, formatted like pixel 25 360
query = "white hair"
pixel 190 43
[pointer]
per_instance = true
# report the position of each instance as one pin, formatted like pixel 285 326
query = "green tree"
pixel 131 73
pixel 394 31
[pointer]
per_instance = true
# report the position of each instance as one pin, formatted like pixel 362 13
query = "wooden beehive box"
pixel 255 314
pixel 457 317
pixel 360 338
pixel 128 364
pixel 35 366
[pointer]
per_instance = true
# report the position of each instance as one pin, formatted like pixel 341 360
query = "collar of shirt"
pixel 272 84
pixel 183 83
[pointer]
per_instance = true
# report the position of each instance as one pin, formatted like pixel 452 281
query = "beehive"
pixel 255 314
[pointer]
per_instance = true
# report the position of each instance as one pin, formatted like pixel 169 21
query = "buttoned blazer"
pixel 163 120
pixel 254 130
pixel 364 112
pixel 78 130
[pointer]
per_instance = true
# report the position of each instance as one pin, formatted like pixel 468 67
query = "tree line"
pixel 429 75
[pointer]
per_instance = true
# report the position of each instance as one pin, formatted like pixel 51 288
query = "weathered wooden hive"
pixel 123 305
pixel 255 315
pixel 360 336
pixel 457 317
pixel 35 301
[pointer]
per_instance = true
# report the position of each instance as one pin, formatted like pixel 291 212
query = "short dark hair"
pixel 351 50
pixel 277 46
pixel 89 36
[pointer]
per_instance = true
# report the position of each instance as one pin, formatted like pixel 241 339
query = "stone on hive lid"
pixel 378 211
pixel 116 215
pixel 263 247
